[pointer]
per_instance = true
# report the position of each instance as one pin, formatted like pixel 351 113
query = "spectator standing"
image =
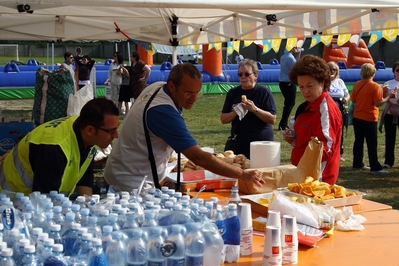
pixel 115 76
pixel 256 125
pixel 139 73
pixel 162 104
pixel 318 116
pixel 287 88
pixel 125 91
pixel 390 122
pixel 367 95
pixel 239 58
pixel 83 66
pixel 341 96
pixel 67 65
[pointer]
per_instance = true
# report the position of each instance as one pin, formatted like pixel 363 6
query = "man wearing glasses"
pixel 58 155
pixel 129 160
pixel 67 65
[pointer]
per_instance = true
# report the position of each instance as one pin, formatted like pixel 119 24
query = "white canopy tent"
pixel 196 21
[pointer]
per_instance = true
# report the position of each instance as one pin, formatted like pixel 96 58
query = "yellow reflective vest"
pixel 17 174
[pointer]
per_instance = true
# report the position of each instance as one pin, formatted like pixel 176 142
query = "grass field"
pixel 58 59
pixel 204 124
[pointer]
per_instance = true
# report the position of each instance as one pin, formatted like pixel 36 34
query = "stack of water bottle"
pixel 159 227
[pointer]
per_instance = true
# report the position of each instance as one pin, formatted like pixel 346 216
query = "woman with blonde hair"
pixel 367 95
pixel 340 95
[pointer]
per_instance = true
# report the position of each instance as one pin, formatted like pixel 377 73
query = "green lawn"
pixel 58 59
pixel 204 124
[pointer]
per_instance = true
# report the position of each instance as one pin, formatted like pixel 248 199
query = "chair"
pixel 341 65
pixel 11 67
pixel 380 65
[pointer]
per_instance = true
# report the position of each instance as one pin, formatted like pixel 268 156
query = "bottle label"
pixel 194 260
pixel 8 218
pixel 137 264
pixel 156 263
pixel 176 262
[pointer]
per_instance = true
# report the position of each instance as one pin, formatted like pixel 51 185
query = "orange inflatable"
pixel 357 56
pixel 145 56
pixel 212 60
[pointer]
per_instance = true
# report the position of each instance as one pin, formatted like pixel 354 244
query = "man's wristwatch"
pixel 257 110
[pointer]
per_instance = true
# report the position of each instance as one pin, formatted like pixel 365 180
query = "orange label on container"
pixel 288 238
pixel 275 250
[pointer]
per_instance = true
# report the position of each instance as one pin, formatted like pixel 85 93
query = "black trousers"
pixel 390 139
pixel 288 90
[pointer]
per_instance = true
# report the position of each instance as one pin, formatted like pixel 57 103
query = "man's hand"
pixel 253 176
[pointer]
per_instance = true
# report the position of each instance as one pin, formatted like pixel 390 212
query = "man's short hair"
pixel 94 111
pixel 67 55
pixel 177 72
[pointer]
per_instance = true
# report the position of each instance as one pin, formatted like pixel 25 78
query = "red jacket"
pixel 323 120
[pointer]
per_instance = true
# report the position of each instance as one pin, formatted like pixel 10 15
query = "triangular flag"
pixel 343 38
pixel 375 36
pixel 315 41
pixel 210 46
pixel 259 43
pixel 247 43
pixel 267 46
pixel 291 43
pixel 390 35
pixel 276 44
pixel 218 46
pixel 236 45
pixel 355 38
pixel 230 48
pixel 326 39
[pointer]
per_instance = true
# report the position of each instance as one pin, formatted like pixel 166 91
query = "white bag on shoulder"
pixel 80 98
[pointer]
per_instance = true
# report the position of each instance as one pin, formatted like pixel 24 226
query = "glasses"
pixel 70 57
pixel 397 70
pixel 188 94
pixel 109 131
pixel 244 74
pixel 333 69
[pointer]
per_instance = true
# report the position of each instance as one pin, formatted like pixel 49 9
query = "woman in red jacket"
pixel 318 116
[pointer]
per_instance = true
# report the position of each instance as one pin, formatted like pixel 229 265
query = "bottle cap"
pixel 75 207
pixel 85 211
pixel 42 236
pixel 137 232
pixel 3 245
pixel 107 229
pixel 70 216
pixel 82 230
pixel 58 248
pixel 87 236
pixel 36 231
pixel 49 242
pixel 57 209
pixel 75 226
pixel 29 249
pixel 23 242
pixel 7 252
pixel 55 227
pixel 96 242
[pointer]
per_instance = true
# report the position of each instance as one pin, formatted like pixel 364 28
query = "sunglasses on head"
pixel 397 70
pixel 244 74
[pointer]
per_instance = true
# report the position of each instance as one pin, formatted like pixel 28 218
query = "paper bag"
pixel 280 176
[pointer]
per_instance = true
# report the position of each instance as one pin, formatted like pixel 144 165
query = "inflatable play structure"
pixel 17 81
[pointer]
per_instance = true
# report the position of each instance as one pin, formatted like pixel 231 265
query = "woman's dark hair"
pixel 93 112
pixel 135 55
pixel 311 65
pixel 119 57
pixel 394 66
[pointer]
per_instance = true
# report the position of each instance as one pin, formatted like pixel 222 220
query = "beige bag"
pixel 280 176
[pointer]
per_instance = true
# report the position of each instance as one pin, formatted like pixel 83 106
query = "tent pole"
pixel 47 51
pixel 52 56
pixel 128 51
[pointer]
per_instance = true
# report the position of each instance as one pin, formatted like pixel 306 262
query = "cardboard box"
pixel 194 180
pixel 11 132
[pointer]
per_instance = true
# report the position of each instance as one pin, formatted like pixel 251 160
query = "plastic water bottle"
pixel 66 226
pixel 234 197
pixel 136 249
pixel 28 224
pixel 84 221
pixel 6 258
pixel 178 242
pixel 66 206
pixel 75 208
pixel 3 245
pixel 116 251
pixel 68 240
pixel 58 218
pixel 1 232
pixel 107 237
pixel 231 235
pixel 195 246
pixel 81 201
pixel 112 221
pixel 76 245
pixel 55 230
pixel 130 222
pixel 47 222
pixel 56 258
pixel 94 229
pixel 29 257
pixel 214 245
pixel 149 219
pixel 35 233
pixel 84 250
pixel 19 251
pixel 40 243
pixel 155 242
pixel 46 251
pixel 121 217
pixel 97 255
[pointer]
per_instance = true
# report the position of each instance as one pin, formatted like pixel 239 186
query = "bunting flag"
pixel 218 46
pixel 259 43
pixel 343 38
pixel 153 50
pixel 276 44
pixel 291 43
pixel 230 48
pixel 326 39
pixel 375 36
pixel 247 43
pixel 236 45
pixel 315 41
pixel 267 46
pixel 390 35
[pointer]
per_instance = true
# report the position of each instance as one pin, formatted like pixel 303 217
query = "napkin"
pixel 240 111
